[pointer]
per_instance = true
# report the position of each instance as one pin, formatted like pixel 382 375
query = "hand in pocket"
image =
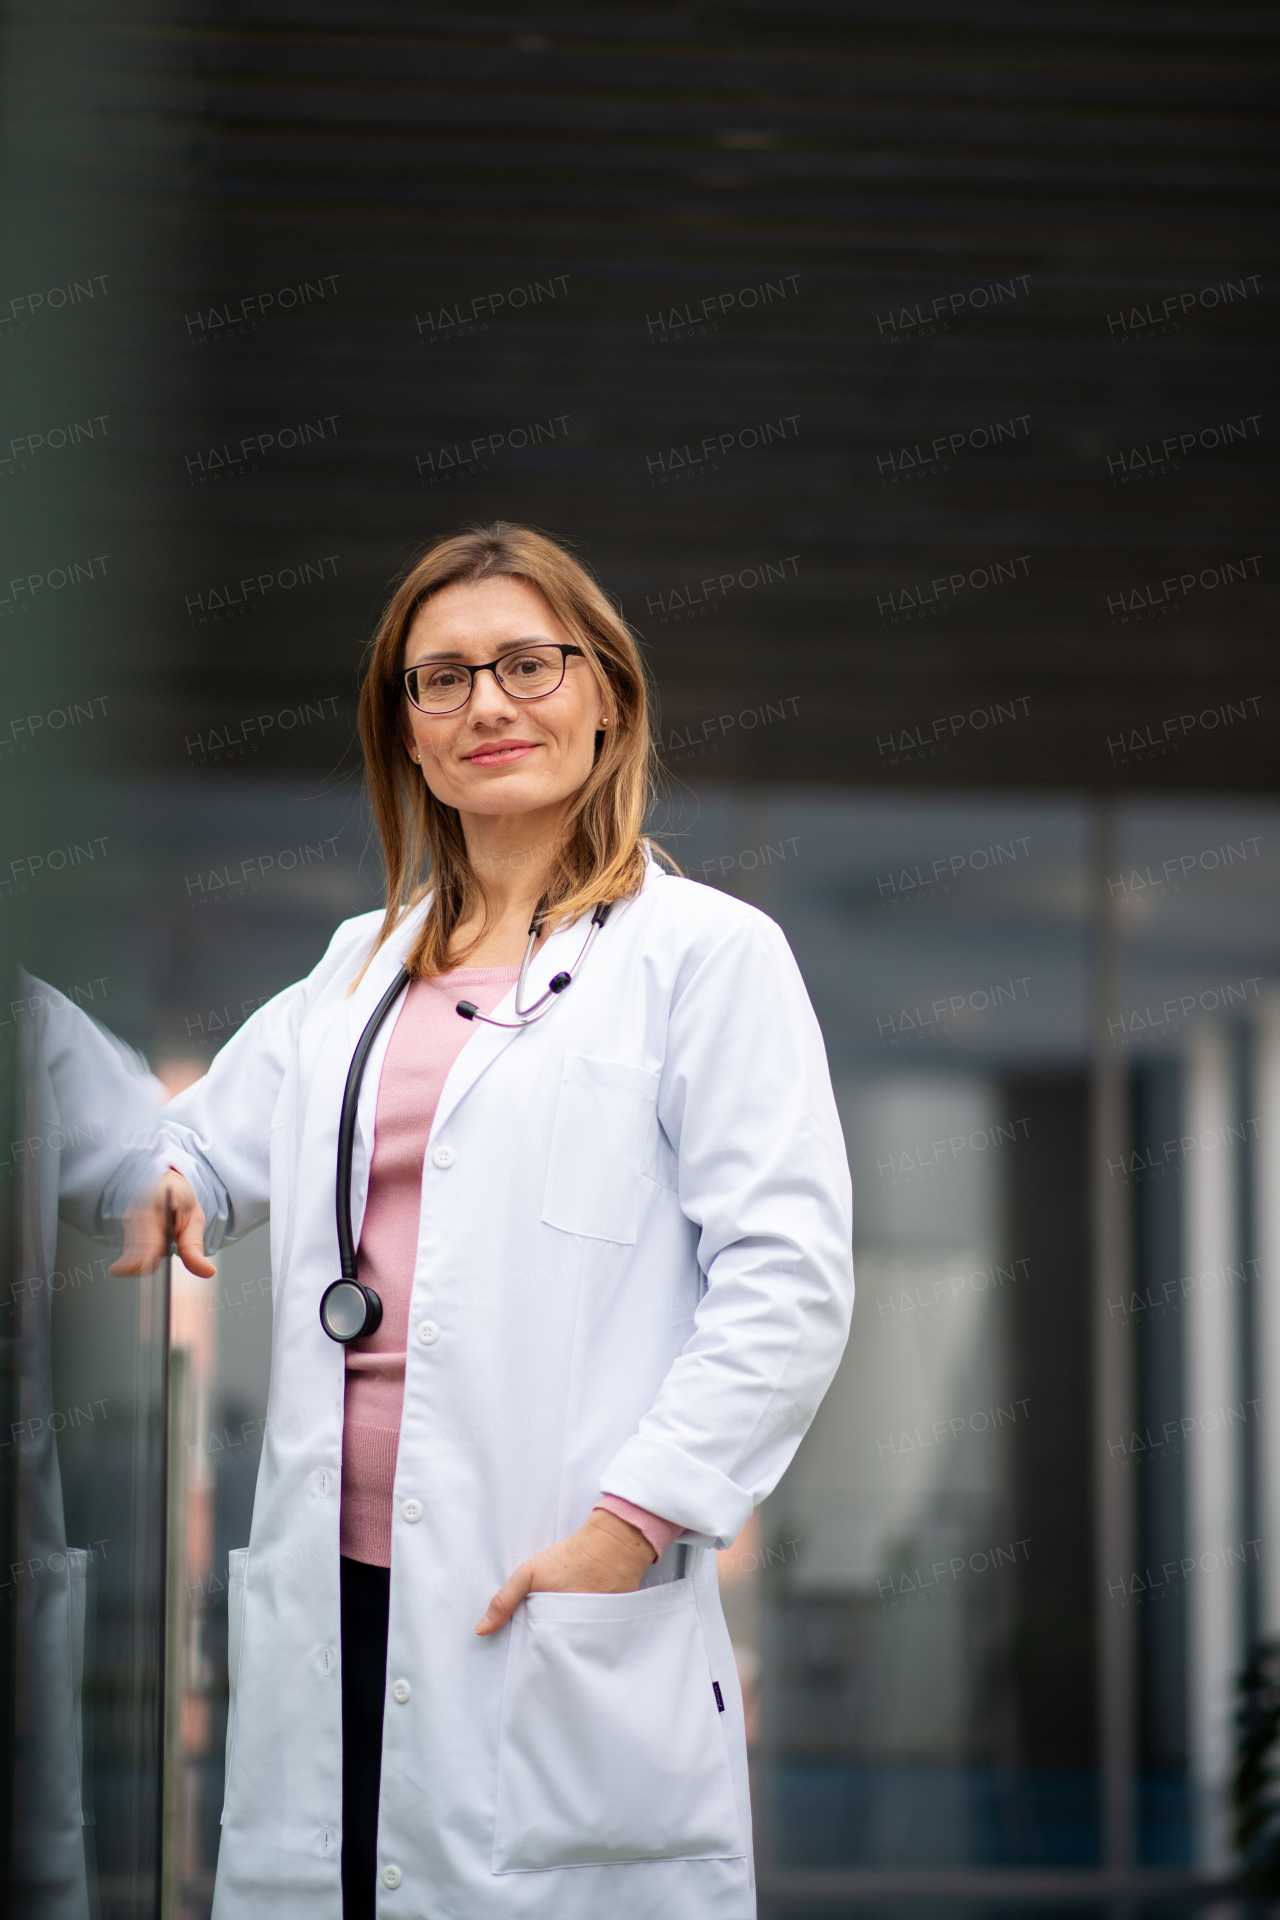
pixel 605 1555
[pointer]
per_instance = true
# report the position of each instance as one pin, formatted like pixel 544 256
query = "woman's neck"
pixel 511 858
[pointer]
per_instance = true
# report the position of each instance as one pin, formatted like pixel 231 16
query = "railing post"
pixel 1115 1529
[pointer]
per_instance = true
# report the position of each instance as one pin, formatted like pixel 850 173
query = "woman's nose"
pixel 489 700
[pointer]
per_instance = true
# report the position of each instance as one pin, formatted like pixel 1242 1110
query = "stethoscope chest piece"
pixel 348 1311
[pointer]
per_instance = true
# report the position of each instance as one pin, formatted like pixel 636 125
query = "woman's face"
pixel 499 755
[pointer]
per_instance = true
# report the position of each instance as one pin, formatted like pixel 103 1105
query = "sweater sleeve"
pixel 657 1531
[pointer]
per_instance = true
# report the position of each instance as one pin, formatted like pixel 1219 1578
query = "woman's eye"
pixel 445 678
pixel 529 666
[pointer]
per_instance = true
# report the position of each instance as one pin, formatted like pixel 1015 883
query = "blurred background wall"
pixel 901 370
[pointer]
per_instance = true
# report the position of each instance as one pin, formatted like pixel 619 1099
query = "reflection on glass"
pixel 86 1447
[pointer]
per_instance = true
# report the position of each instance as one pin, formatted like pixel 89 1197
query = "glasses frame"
pixel 489 666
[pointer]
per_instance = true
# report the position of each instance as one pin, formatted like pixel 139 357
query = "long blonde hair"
pixel 601 856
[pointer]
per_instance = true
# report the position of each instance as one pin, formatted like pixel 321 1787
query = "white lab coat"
pixel 634 1273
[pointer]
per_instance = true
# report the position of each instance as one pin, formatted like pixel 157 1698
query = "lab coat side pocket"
pixel 605 1114
pixel 611 1747
pixel 237 1561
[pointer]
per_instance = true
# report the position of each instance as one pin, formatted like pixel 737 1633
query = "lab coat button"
pixel 412 1509
pixel 401 1691
pixel 444 1156
pixel 391 1877
pixel 428 1333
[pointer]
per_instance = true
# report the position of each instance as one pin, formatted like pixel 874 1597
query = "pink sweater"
pixel 427 1038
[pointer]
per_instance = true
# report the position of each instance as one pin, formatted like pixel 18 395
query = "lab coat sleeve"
pixel 746 1101
pixel 218 1132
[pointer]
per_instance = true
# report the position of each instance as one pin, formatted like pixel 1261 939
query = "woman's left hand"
pixel 605 1555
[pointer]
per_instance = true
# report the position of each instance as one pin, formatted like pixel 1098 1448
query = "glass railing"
pixel 86 1459
pixel 1044 1461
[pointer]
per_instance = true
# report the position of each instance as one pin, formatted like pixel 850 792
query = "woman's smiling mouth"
pixel 499 753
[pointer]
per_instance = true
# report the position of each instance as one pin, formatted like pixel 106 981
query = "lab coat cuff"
pixel 136 1175
pixel 140 1172
pixel 209 1191
pixel 684 1490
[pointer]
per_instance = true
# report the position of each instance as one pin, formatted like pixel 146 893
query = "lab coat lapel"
pixel 485 1045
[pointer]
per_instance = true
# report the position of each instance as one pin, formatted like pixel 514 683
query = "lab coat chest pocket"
pixel 604 1115
pixel 612 1744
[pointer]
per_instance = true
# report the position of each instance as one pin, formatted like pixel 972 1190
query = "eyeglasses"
pixel 526 673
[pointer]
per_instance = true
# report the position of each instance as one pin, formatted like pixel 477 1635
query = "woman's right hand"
pixel 170 1212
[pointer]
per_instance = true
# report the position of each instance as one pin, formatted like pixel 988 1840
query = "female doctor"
pixel 479 1665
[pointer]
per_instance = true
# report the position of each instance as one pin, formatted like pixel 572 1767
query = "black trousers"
pixel 366 1595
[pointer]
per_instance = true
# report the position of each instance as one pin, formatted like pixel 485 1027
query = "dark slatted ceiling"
pixel 1078 163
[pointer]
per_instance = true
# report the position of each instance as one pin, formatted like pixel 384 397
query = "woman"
pixel 612 1249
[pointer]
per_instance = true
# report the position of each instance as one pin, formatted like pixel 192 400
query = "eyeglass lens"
pixel 445 685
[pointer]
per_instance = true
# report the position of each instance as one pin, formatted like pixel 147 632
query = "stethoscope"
pixel 349 1310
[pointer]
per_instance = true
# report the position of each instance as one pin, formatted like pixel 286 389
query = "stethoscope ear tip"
pixel 468 1009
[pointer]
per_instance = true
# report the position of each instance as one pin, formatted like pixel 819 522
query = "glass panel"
pixel 928 1693
pixel 220 1368
pixel 87 1469
pixel 924 1586
pixel 237 940
pixel 1198 900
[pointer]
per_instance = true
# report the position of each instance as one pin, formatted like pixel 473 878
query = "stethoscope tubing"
pixel 347 1124
pixel 525 1016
